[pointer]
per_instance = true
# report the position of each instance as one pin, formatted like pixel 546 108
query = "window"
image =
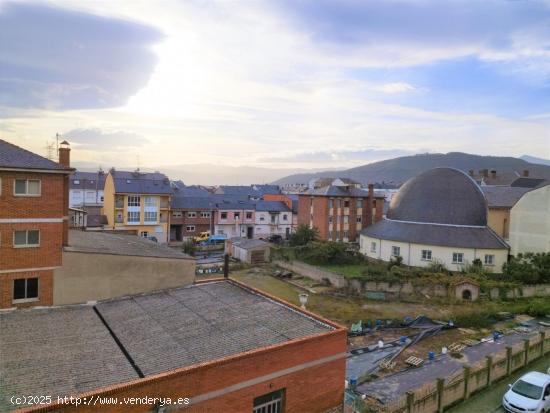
pixel 150 201
pixel 205 214
pixel 426 255
pixel 346 219
pixel 330 203
pixel 177 214
pixel 25 289
pixel 346 204
pixel 285 217
pixel 330 219
pixel 269 403
pixel 76 182
pixel 150 216
pixel 458 257
pixel 395 251
pixel 191 214
pixel 338 203
pixel 134 216
pixel 134 201
pixel 373 247
pixel 144 234
pixel 223 215
pixel 237 215
pixel 26 238
pixel 359 203
pixel 330 235
pixel 346 234
pixel 101 199
pixel 249 215
pixel 489 259
pixel 358 219
pixel 26 187
pixel 262 218
pixel 273 218
pixel 190 228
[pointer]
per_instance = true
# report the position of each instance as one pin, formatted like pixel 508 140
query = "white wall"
pixel 412 253
pixel 263 227
pixel 530 222
pixel 79 197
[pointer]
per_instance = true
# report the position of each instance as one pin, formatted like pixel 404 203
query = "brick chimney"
pixel 64 154
pixel 526 173
pixel 370 204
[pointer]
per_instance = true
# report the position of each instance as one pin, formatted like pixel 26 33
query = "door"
pixel 249 232
pixel 287 233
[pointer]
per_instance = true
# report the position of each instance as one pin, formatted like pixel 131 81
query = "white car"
pixel 530 393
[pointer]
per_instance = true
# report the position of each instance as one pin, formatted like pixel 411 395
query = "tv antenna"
pixel 50 150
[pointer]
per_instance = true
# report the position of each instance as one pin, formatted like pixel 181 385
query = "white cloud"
pixel 399 87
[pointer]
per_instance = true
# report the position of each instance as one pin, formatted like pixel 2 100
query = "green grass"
pixel 489 400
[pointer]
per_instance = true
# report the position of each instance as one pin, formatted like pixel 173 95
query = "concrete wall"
pixel 530 222
pixel 498 219
pixel 412 254
pixel 88 277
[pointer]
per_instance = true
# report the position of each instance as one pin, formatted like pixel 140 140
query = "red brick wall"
pixel 280 198
pixel 314 389
pixel 45 288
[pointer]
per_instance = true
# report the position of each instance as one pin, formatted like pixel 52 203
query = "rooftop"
pixel 272 206
pixel 503 196
pixel 54 351
pixel 12 156
pixel 137 182
pixel 87 180
pixel 119 244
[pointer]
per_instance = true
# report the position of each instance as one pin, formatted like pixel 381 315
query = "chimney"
pixel 526 173
pixel 370 204
pixel 64 153
pixel 486 173
pixel 493 173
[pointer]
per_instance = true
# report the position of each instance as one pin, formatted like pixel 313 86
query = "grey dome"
pixel 440 196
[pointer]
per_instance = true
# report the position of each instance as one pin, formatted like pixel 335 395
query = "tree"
pixel 529 268
pixel 303 235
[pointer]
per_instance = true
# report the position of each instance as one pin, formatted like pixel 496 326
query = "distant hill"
pixel 534 159
pixel 398 170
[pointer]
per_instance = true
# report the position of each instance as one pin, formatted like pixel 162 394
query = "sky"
pixel 248 91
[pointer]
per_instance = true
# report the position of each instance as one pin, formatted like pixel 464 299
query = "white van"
pixel 530 393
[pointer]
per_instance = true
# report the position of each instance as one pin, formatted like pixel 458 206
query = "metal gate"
pixel 275 405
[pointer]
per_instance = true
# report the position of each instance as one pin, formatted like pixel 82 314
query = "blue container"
pixel 403 339
pixel 431 356
pixel 353 382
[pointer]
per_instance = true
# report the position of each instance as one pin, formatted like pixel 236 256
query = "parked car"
pixel 530 393
pixel 203 236
pixel 276 239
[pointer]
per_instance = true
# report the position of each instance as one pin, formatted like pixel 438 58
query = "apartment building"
pixel 34 202
pixel 138 202
pixel 340 210
pixel 272 218
pixel 235 218
pixel 86 190
pixel 190 216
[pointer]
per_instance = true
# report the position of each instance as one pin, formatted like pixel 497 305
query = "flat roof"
pixel 54 351
pixel 119 244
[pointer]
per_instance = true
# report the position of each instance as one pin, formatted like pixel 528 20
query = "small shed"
pixel 466 290
pixel 251 251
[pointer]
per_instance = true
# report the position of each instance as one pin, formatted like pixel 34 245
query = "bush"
pixel 189 247
pixel 395 261
pixel 327 253
pixel 436 266
pixel 303 235
pixel 529 268
pixel 474 320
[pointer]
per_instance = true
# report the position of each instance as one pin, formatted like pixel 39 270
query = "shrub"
pixel 189 247
pixel 303 235
pixel 474 320
pixel 529 268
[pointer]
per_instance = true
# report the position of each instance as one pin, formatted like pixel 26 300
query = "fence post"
pixel 508 360
pixel 526 349
pixel 410 401
pixel 440 391
pixel 542 338
pixel 489 368
pixel 466 382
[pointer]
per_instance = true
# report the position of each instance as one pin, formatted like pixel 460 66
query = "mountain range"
pixel 398 170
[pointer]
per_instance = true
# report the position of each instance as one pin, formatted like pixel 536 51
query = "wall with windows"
pixel 417 254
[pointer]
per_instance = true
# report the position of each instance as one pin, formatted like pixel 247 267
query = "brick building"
pixel 220 344
pixel 34 202
pixel 341 210
pixel 190 216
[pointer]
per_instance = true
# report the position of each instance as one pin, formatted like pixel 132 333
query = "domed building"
pixel 440 215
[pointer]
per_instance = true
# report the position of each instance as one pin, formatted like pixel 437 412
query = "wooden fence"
pixel 436 396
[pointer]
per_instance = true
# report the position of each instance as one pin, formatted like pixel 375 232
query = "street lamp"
pixel 303 300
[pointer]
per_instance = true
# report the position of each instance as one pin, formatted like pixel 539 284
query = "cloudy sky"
pixel 242 86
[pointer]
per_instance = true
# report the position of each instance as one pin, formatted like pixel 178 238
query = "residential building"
pixel 190 216
pixel 196 191
pixel 235 218
pixel 34 203
pixel 341 210
pixel 273 218
pixel 500 200
pixel 102 265
pixel 221 345
pixel 438 216
pixel 86 190
pixel 530 222
pixel 138 202
pixel 252 192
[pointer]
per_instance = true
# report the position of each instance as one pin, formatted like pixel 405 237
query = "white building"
pixel 86 189
pixel 272 218
pixel 530 222
pixel 439 215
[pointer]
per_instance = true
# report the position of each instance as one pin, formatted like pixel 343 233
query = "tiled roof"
pixel 252 190
pixel 182 202
pixel 527 182
pixel 434 234
pixel 332 190
pixel 272 206
pixel 180 189
pixel 503 196
pixel 12 156
pixel 141 183
pixel 87 180
pixel 119 244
